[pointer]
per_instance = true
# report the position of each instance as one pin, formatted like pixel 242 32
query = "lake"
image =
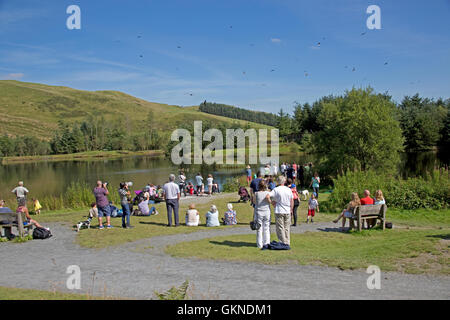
pixel 52 178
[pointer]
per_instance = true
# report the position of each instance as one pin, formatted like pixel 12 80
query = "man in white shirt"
pixel 283 201
pixel 172 197
pixel 20 192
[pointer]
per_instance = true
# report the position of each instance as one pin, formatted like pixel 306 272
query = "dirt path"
pixel 137 269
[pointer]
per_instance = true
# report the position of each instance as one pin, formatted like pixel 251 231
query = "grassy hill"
pixel 35 109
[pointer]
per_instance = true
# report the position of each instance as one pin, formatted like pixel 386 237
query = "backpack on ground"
pixel 41 233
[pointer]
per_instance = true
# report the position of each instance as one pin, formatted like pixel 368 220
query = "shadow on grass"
pixel 337 229
pixel 154 223
pixel 236 244
pixel 440 236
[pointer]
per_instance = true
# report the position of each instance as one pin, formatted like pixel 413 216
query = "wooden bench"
pixel 366 212
pixel 10 219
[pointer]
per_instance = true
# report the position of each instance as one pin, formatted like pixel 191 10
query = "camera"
pixel 130 184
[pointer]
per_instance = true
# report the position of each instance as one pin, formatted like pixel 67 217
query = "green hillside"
pixel 35 109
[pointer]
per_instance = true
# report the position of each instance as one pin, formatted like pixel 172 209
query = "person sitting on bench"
pixel 23 209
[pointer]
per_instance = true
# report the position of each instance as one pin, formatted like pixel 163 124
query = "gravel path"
pixel 137 269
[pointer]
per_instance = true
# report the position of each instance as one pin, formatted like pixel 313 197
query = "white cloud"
pixel 275 40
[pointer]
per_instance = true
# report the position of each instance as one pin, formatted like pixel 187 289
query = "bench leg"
pixel 7 232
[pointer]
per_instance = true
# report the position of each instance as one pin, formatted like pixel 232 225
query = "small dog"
pixel 84 224
pixel 305 194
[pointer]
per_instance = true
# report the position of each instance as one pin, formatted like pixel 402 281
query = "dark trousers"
pixel 316 190
pixel 172 204
pixel 296 205
pixel 182 188
pixel 126 214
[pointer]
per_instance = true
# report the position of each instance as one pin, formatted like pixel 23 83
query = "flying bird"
pixel 354 69
pixel 179 47
pixel 364 33
pixel 272 70
pixel 139 37
pixel 385 63
pixel 141 56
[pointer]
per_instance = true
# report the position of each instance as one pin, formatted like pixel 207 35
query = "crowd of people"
pixel 270 191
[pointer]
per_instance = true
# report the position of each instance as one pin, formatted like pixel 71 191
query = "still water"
pixel 52 178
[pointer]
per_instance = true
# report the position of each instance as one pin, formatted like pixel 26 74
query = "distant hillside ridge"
pixel 233 112
pixel 35 110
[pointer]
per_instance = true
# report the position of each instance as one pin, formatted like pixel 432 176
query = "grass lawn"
pixel 30 294
pixel 411 251
pixel 147 227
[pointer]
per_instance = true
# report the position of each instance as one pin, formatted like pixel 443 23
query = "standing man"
pixel 283 169
pixel 124 195
pixel 283 201
pixel 21 193
pixel 199 182
pixel 182 182
pixel 254 187
pixel 301 175
pixel 172 196
pixel 101 199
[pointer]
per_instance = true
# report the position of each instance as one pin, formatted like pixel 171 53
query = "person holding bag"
pixel 262 215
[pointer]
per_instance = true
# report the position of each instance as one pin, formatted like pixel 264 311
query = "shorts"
pixel 249 178
pixel 104 211
pixel 311 212
pixel 348 214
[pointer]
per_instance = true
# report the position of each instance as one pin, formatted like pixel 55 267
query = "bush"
pixel 432 192
pixel 233 184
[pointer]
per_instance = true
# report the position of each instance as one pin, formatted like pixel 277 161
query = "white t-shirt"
pixel 20 191
pixel 171 190
pixel 282 195
pixel 210 181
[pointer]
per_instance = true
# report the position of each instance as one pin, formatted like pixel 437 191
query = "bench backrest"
pixel 370 209
pixel 7 215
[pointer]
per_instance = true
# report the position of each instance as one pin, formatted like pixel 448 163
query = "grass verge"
pixel 29 294
pixel 410 251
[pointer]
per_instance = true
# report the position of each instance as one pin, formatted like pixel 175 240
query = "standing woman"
pixel 124 194
pixel 315 182
pixel 262 215
pixel 293 187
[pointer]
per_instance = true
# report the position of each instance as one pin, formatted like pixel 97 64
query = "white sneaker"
pixel 156 213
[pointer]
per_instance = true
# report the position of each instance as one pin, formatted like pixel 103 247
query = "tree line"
pixel 92 134
pixel 366 130
pixel 239 113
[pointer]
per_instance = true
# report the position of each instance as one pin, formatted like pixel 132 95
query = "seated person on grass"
pixel 347 213
pixel 212 217
pixel 192 216
pixel 36 206
pixel 230 216
pixel 144 208
pixel 93 211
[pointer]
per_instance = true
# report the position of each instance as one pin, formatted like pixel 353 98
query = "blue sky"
pixel 228 49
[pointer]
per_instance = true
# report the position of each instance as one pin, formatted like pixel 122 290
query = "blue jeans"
pixel 126 214
pixel 104 211
pixel 316 190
